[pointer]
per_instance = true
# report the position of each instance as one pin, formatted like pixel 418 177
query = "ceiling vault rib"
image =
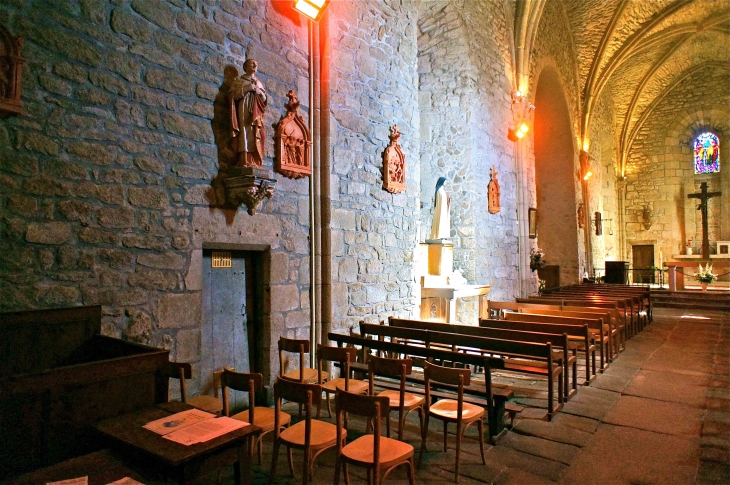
pixel 640 122
pixel 637 94
pixel 625 50
pixel 597 58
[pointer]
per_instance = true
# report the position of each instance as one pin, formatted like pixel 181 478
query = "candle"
pixel 661 259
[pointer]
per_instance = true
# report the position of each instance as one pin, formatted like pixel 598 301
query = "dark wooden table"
pixel 185 463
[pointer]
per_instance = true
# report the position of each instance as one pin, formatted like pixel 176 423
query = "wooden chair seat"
pixel 448 408
pixel 264 418
pixel 210 404
pixel 355 386
pixel 409 400
pixel 311 376
pixel 323 434
pixel 361 451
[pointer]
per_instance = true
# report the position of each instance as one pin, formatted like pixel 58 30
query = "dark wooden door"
pixel 643 259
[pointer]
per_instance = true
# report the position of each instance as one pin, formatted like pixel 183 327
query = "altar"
pixel 720 264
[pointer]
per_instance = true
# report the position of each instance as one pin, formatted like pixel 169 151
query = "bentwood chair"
pixel 263 417
pixel 303 374
pixel 310 435
pixel 379 454
pixel 343 356
pixel 183 371
pixel 403 401
pixel 451 411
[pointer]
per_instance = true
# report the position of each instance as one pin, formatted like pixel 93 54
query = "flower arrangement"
pixel 705 275
pixel 540 286
pixel 537 259
pixel 689 242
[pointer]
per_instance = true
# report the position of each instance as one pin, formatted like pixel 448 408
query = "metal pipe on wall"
pixel 313 57
pixel 325 186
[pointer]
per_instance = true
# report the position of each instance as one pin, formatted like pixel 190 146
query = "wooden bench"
pixel 633 301
pixel 642 291
pixel 520 357
pixel 563 348
pixel 602 333
pixel 493 397
pixel 586 330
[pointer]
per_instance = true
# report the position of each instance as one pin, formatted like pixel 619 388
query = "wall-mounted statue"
pixel 248 107
pixel 292 142
pixel 441 226
pixel 11 69
pixel 581 216
pixel 599 224
pixel 394 164
pixel 494 192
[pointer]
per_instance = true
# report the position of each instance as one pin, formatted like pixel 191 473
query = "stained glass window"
pixel 707 153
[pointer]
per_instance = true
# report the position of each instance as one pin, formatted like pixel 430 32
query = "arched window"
pixel 707 153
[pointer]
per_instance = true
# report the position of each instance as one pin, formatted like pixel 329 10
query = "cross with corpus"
pixel 704 196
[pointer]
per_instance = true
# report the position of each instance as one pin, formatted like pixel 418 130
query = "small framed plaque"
pixel 532 222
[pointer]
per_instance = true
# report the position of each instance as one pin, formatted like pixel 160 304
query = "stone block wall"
pixel 374 233
pixel 465 110
pixel 660 167
pixel 112 176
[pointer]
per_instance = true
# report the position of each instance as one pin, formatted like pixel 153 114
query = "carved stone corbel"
pixel 394 164
pixel 292 141
pixel 11 70
pixel 249 186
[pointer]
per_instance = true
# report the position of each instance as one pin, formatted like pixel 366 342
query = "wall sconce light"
pixel 588 175
pixel 517 96
pixel 518 133
pixel 311 8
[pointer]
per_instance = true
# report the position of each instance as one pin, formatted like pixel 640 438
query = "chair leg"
pixel 259 444
pixel 347 473
pixel 424 433
pixel 459 432
pixel 306 467
pixel 370 476
pixel 291 461
pixel 273 460
pixel 446 429
pixel 480 428
pixel 411 473
pixel 338 464
pixel 329 408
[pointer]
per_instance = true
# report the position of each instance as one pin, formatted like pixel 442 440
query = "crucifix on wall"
pixel 704 196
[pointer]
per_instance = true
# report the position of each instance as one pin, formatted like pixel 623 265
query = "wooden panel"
pixel 643 257
pixel 47 337
pixel 551 275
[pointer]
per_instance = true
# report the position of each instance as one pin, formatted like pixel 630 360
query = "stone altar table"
pixel 720 264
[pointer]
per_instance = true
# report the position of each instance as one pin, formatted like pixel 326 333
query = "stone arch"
pixel 447 86
pixel 555 176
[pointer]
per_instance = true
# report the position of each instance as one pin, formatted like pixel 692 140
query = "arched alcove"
pixel 554 177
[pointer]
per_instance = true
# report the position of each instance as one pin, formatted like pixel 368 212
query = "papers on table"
pixel 205 431
pixel 71 481
pixel 193 426
pixel 177 421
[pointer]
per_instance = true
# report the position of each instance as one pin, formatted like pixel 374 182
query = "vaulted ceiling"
pixel 638 50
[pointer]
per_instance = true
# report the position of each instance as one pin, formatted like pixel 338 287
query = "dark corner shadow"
pixel 221 125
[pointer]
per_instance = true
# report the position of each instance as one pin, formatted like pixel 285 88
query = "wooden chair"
pixel 263 417
pixel 379 454
pixel 343 355
pixel 183 371
pixel 452 411
pixel 404 401
pixel 311 435
pixel 301 347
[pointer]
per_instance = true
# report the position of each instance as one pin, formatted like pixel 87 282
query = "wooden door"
pixel 643 259
pixel 230 313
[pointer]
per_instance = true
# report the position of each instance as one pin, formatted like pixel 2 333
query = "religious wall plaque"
pixel 292 141
pixel 493 192
pixel 581 216
pixel 11 69
pixel 394 164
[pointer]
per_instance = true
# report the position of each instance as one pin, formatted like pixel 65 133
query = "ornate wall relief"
pixel 494 192
pixel 394 164
pixel 11 68
pixel 292 141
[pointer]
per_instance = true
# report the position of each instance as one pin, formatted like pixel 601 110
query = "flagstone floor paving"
pixel 659 415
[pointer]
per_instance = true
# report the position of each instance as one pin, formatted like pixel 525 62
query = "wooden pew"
pixel 565 352
pixel 521 357
pixel 581 332
pixel 633 300
pixel 643 291
pixel 493 397
pixel 588 330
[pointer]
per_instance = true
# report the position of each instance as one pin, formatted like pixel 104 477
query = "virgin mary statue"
pixel 441 227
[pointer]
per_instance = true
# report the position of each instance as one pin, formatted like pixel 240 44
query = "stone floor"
pixel 659 415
